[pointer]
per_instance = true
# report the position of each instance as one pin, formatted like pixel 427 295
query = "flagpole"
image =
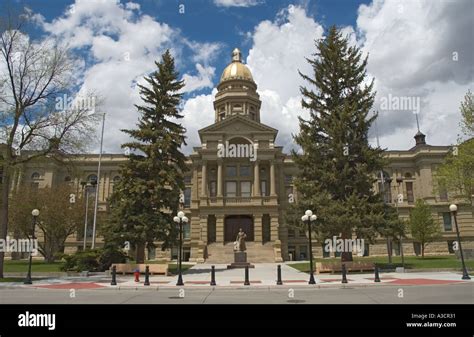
pixel 98 183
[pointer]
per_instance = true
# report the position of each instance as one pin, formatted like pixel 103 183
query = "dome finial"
pixel 236 55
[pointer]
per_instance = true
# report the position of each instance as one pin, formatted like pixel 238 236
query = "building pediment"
pixel 238 125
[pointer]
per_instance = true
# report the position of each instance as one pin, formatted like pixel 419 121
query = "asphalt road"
pixel 426 294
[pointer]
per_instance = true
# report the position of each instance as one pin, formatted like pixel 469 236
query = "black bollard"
pixel 213 276
pixel 114 276
pixel 344 274
pixel 247 282
pixel 377 277
pixel 147 276
pixel 279 282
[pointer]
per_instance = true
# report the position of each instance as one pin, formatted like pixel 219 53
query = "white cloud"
pixel 411 46
pixel 278 52
pixel 123 45
pixel 200 81
pixel 237 3
pixel 198 113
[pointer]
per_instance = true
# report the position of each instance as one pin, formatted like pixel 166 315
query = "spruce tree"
pixel 147 196
pixel 337 166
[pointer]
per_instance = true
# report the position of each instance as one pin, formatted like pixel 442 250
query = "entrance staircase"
pixel 256 252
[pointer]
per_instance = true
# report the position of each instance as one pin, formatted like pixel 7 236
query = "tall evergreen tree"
pixel 337 165
pixel 147 196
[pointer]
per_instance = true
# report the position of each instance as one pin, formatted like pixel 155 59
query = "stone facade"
pixel 239 178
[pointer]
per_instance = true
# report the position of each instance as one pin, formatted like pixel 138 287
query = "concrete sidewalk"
pixel 263 275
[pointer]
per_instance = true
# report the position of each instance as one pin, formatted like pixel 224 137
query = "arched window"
pixel 116 179
pixel 92 178
pixel 408 175
pixel 35 176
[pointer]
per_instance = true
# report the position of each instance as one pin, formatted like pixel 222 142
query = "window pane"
pixel 245 188
pixel 187 231
pixel 231 188
pixel 410 196
pixel 447 222
pixel 245 171
pixel 263 187
pixel 187 197
pixel 213 188
pixel 231 171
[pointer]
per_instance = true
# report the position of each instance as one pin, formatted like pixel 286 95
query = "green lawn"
pixel 411 262
pixel 18 279
pixel 21 266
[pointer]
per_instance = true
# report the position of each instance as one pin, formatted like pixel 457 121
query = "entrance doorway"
pixel 232 225
pixel 211 229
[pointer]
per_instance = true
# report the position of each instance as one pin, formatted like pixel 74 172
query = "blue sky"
pixel 410 46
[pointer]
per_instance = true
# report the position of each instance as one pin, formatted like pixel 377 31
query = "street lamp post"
pixel 35 214
pixel 307 218
pixel 389 241
pixel 454 210
pixel 180 219
pixel 399 182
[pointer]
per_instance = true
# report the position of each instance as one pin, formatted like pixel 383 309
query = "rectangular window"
pixel 443 194
pixel 385 192
pixel 451 247
pixel 292 253
pixel 447 222
pixel 326 252
pixel 366 249
pixel 187 180
pixel 187 231
pixel 231 189
pixel 187 197
pixel 174 253
pixel 410 196
pixel 231 171
pixel 245 171
pixel 291 233
pixel 245 188
pixel 417 248
pixel 212 188
pixel 303 253
pixel 263 187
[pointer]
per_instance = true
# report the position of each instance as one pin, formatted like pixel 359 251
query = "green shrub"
pixel 111 255
pixel 93 260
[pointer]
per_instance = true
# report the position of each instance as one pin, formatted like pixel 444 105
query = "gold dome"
pixel 236 69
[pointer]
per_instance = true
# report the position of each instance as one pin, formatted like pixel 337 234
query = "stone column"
pixel 203 224
pixel 220 228
pixel 204 179
pixel 272 178
pixel 273 227
pixel 257 228
pixel 256 180
pixel 219 178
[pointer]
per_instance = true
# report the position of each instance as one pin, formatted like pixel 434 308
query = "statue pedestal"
pixel 240 261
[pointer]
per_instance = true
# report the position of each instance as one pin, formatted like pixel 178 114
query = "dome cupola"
pixel 237 91
pixel 236 69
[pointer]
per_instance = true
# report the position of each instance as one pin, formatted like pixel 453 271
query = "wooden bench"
pixel 331 267
pixel 155 269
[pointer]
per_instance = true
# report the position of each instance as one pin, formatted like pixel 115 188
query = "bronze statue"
pixel 240 241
